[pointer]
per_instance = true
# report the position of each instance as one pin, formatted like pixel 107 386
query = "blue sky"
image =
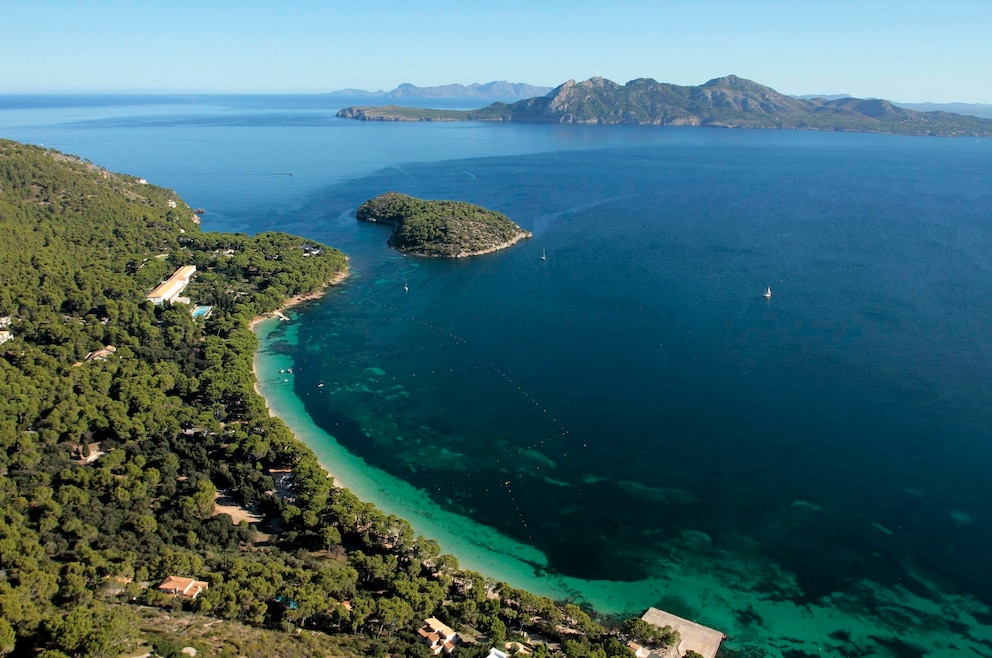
pixel 905 51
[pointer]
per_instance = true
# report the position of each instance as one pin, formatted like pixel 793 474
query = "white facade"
pixel 171 288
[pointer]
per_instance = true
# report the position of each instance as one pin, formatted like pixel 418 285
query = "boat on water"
pixel 406 286
pixel 544 254
pixel 768 293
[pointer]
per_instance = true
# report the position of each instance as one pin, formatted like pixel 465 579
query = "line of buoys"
pixel 501 462
pixel 562 429
pixel 516 506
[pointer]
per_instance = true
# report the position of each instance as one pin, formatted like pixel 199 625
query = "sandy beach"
pixel 279 314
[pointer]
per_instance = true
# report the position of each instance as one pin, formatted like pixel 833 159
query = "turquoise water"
pixel 629 422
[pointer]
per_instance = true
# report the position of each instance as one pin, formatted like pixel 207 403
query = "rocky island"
pixel 440 229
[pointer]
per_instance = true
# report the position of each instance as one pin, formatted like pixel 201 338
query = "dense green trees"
pixel 165 419
pixel 650 634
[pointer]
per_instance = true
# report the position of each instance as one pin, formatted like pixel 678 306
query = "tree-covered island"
pixel 149 502
pixel 441 229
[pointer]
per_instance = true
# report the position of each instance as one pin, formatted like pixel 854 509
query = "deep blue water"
pixel 646 336
pixel 632 406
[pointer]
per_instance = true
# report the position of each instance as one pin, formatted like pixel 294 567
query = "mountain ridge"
pixel 497 89
pixel 729 101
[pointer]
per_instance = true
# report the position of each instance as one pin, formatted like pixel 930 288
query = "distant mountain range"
pixel 499 89
pixel 730 101
pixel 983 110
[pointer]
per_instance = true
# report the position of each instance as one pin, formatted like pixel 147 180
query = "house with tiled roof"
pixel 101 355
pixel 186 588
pixel 438 636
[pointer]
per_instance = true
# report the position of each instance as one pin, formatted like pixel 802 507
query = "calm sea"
pixel 628 421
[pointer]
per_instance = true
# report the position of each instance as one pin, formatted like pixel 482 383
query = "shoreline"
pixel 477 547
pixel 253 326
pixel 514 564
pixel 708 587
pixel 296 300
pixel 524 235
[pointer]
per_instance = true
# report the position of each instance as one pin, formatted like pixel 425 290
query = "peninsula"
pixel 440 229
pixel 728 102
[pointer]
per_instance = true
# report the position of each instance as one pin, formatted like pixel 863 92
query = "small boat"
pixel 406 286
pixel 768 293
pixel 544 254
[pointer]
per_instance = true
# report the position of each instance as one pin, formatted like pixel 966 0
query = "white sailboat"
pixel 768 293
pixel 544 254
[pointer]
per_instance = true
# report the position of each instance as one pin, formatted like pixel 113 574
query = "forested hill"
pixel 725 102
pixel 121 422
pixel 109 461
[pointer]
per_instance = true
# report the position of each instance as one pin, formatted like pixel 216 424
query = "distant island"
pixel 729 102
pixel 498 89
pixel 440 229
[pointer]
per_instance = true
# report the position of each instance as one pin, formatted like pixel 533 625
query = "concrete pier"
pixel 696 637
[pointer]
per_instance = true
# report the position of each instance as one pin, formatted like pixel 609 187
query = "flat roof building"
pixel 168 290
